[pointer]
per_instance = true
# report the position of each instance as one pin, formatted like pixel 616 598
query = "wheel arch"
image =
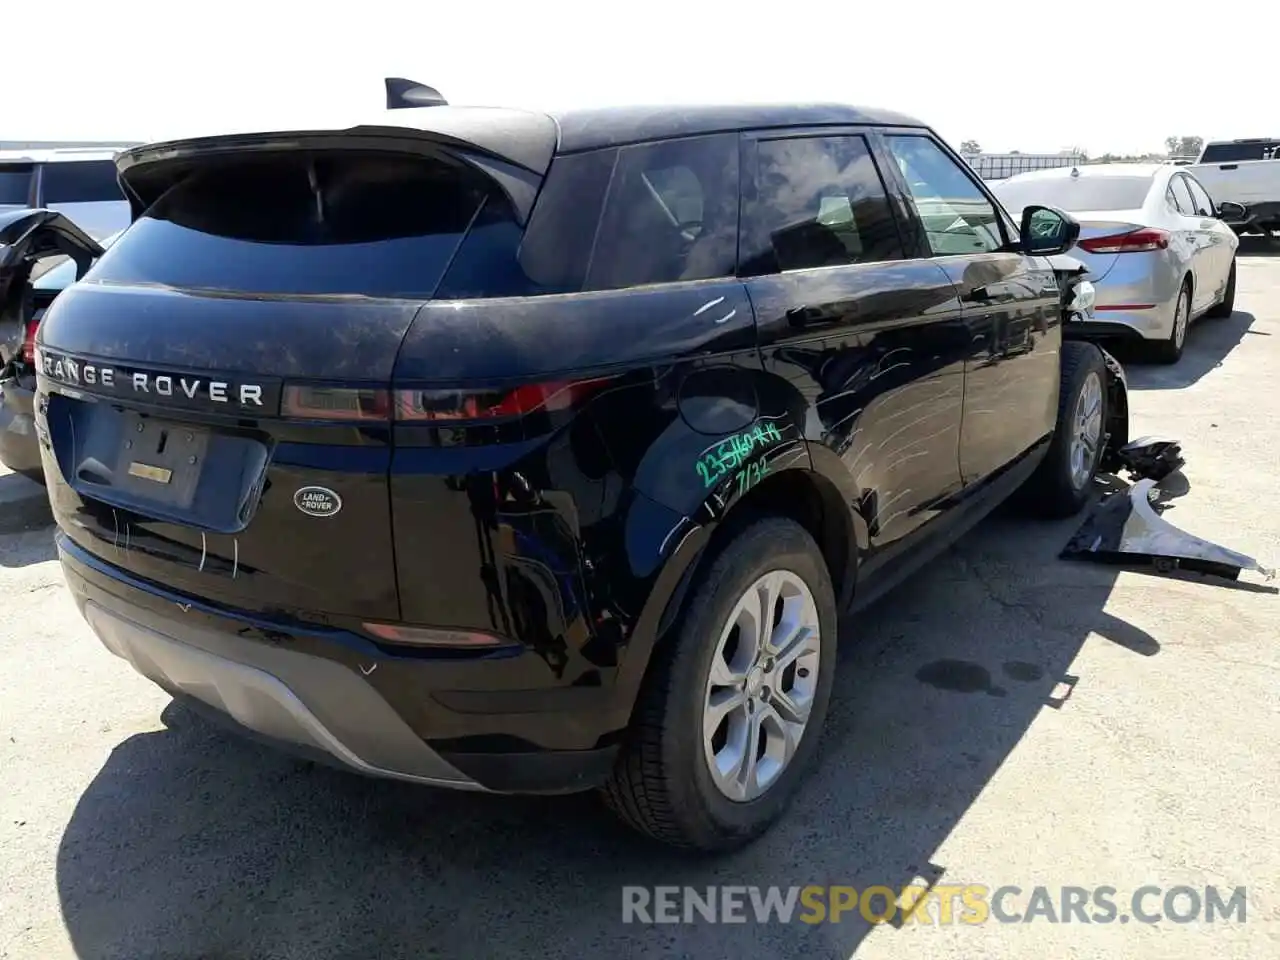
pixel 799 491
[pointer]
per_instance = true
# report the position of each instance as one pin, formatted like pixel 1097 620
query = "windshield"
pixel 15 185
pixel 64 274
pixel 1075 194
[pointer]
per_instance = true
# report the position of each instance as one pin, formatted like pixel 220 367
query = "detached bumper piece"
pixel 1125 530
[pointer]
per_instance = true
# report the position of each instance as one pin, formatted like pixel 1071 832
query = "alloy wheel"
pixel 761 686
pixel 1086 430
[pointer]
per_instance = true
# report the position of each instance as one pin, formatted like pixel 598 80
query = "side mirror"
pixel 1047 231
pixel 1231 212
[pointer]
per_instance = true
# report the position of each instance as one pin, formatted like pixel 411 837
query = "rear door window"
pixel 957 216
pixel 1182 197
pixel 15 185
pixel 819 202
pixel 79 181
pixel 374 225
pixel 671 214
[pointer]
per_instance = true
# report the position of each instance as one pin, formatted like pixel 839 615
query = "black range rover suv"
pixel 502 451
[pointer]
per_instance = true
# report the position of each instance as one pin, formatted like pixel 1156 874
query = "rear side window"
pixel 1182 197
pixel 671 214
pixel 819 202
pixel 80 181
pixel 338 224
pixel 1237 152
pixel 15 185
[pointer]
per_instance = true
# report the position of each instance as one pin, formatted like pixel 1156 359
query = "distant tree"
pixel 1015 153
pixel 1183 146
pixel 970 148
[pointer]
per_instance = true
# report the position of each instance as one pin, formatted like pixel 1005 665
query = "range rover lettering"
pixel 494 450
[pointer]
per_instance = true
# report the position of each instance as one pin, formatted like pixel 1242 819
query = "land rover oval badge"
pixel 317 501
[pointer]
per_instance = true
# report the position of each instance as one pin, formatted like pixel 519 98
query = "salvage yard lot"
pixel 1005 718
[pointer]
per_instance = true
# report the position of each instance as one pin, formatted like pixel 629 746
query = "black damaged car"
pixel 493 450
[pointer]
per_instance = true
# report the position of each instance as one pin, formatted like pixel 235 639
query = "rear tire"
pixel 665 784
pixel 1063 482
pixel 1228 304
pixel 1170 349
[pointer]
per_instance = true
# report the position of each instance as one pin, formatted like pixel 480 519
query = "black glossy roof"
pixel 590 129
pixel 530 138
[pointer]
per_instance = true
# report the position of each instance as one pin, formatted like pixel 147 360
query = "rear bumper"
pixel 19 448
pixel 331 696
pixel 1154 323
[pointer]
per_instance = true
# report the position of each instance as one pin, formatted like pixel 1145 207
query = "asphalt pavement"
pixel 1005 719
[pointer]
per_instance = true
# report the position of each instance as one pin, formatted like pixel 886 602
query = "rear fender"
pixel 681 550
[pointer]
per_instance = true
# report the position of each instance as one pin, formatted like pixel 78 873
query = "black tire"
pixel 1228 304
pixel 661 785
pixel 1053 491
pixel 1170 349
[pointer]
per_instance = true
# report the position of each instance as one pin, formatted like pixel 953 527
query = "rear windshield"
pixel 1071 194
pixel 372 225
pixel 15 184
pixel 1236 152
pixel 79 181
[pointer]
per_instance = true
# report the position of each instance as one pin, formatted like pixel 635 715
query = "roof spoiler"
pixel 402 93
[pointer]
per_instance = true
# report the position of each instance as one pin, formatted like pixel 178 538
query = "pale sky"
pixel 1114 76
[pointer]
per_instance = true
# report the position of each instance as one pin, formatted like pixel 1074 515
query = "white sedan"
pixel 1158 252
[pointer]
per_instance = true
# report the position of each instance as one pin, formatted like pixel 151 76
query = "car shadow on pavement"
pixel 27 547
pixel 1208 343
pixel 190 842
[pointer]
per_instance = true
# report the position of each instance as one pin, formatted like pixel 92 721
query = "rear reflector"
pixel 424 637
pixel 434 406
pixel 335 403
pixel 1136 241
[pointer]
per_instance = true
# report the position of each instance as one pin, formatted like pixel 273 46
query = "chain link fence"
pixel 999 166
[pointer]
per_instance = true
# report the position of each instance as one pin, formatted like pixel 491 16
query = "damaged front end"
pixel 1078 299
pixel 1126 530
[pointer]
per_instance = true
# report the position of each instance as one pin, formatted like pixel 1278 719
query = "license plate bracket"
pixel 159 461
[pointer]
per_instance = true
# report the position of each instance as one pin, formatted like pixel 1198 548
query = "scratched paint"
pixel 733 452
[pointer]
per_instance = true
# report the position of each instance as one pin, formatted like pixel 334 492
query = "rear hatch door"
pixel 216 413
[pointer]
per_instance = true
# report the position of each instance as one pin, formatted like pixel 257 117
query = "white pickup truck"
pixel 1246 172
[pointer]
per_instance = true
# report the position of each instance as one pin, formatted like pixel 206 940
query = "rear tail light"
pixel 426 637
pixel 1136 241
pixel 307 402
pixel 336 403
pixel 29 343
pixel 436 406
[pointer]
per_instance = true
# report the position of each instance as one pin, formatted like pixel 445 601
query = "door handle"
pixel 1228 166
pixel 813 317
